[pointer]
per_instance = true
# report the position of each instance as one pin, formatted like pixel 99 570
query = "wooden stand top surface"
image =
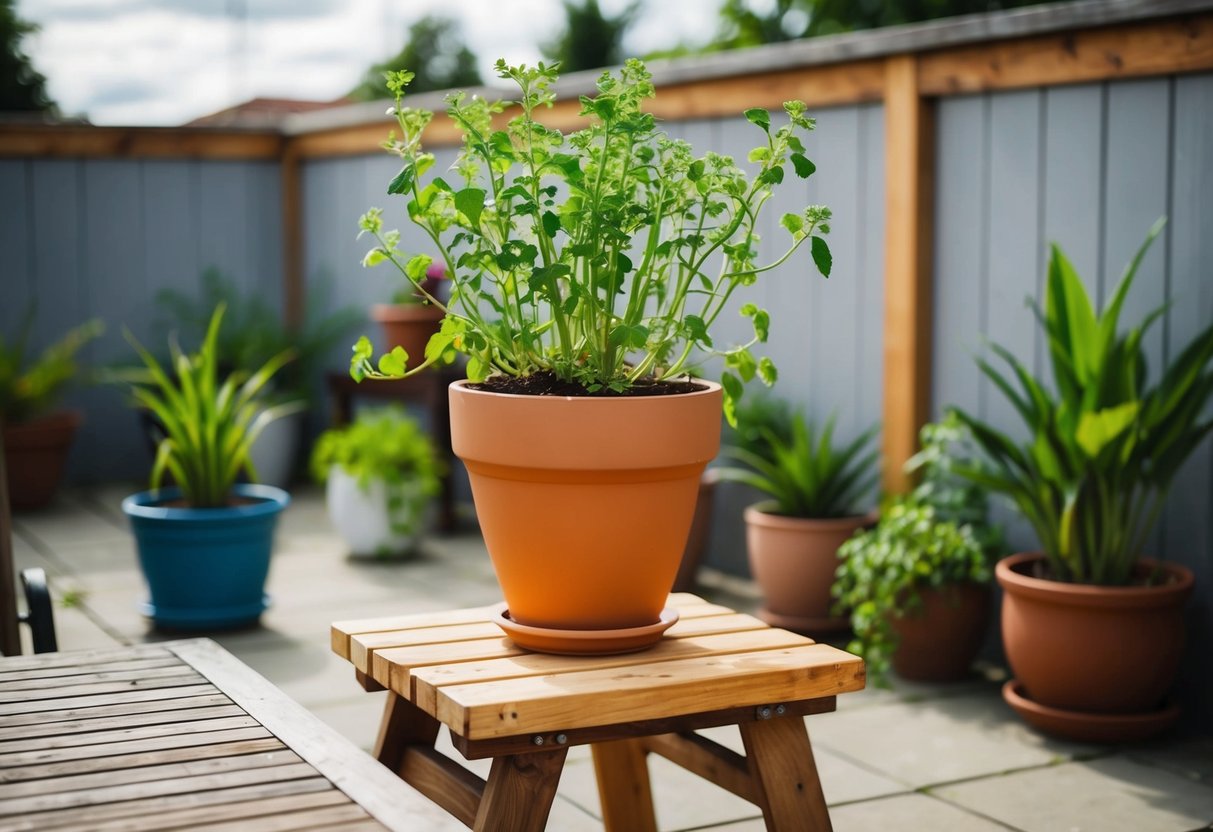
pixel 180 735
pixel 459 667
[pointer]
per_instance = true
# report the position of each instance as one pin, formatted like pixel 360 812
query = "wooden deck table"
pixel 180 735
pixel 525 710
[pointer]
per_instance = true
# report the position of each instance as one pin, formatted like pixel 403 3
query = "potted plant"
pixel 411 319
pixel 918 584
pixel 586 274
pixel 817 490
pixel 1093 628
pixel 253 334
pixel 204 545
pixel 380 473
pixel 36 436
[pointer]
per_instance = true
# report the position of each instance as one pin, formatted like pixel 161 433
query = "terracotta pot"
pixel 1096 649
pixel 794 559
pixel 701 528
pixel 35 456
pixel 407 325
pixel 938 640
pixel 585 502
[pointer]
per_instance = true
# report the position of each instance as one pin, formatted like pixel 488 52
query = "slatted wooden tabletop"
pixel 179 735
pixel 458 667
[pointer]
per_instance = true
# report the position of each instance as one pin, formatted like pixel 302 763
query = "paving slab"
pixel 938 740
pixel 900 813
pixel 1190 758
pixel 1113 794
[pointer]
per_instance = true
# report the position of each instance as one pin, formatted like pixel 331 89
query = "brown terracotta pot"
pixel 1097 649
pixel 35 456
pixel 701 528
pixel 409 326
pixel 585 503
pixel 938 641
pixel 794 559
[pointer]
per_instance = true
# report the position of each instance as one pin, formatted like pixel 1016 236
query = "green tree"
pixel 435 52
pixel 590 39
pixel 22 88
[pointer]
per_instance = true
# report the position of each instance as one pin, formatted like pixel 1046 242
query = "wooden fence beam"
pixel 909 207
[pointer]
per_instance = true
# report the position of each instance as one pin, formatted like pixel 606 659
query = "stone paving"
pixel 933 758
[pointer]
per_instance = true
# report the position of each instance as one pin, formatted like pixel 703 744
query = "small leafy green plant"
pixel 603 257
pixel 209 424
pixel 936 536
pixel 384 445
pixel 805 473
pixel 29 389
pixel 1093 472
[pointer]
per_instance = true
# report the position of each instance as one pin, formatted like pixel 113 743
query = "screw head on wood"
pixel 764 712
pixel 780 709
pixel 538 740
pixel 561 739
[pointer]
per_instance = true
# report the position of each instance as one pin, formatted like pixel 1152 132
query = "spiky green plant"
pixel 210 424
pixel 1093 472
pixel 30 388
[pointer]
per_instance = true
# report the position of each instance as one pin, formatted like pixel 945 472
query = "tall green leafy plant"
pixel 210 423
pixel 604 257
pixel 805 472
pixel 31 387
pixel 1101 451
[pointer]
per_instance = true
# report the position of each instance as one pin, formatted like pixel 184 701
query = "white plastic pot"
pixel 370 523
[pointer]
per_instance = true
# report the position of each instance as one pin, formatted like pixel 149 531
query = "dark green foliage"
pixel 436 54
pixel 22 88
pixel 590 39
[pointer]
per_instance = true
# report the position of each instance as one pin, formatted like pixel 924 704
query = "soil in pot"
pixel 35 455
pixel 938 641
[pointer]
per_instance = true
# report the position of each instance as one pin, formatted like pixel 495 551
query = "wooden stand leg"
pixel 403 724
pixel 519 792
pixel 623 786
pixel 785 775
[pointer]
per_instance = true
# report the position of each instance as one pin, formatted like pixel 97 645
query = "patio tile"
pixel 356 718
pixel 1192 759
pixel 1114 794
pixel 901 813
pixel 938 740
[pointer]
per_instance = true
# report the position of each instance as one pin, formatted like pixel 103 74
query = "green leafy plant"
pixel 805 473
pixel 383 445
pixel 883 570
pixel 937 535
pixel 1101 452
pixel 604 257
pixel 29 389
pixel 210 424
pixel 413 295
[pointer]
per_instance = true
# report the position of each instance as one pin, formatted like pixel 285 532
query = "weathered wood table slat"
pixel 524 710
pixel 179 735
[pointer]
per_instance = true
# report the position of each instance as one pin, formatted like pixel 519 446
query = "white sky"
pixel 164 62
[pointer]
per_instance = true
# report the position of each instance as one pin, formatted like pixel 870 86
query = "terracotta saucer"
pixel 805 625
pixel 583 642
pixel 1086 727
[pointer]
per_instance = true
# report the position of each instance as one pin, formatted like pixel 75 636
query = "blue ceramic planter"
pixel 205 567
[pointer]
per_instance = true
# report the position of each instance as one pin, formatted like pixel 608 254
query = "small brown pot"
pixel 35 456
pixel 938 640
pixel 409 326
pixel 701 528
pixel 1093 649
pixel 794 559
pixel 585 502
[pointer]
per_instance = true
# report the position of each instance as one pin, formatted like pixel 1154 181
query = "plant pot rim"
pixel 61 418
pixel 1010 574
pixel 761 514
pixel 391 312
pixel 148 505
pixel 710 388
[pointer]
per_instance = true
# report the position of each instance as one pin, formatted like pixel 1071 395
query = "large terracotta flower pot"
pixel 1093 649
pixel 794 559
pixel 938 640
pixel 35 456
pixel 585 502
pixel 409 326
pixel 701 529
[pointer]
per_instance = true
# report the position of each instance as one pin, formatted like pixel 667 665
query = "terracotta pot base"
pixel 1086 727
pixel 584 642
pixel 806 625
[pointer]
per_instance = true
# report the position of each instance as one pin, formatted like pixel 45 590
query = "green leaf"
pixel 695 171
pixel 551 224
pixel 794 223
pixel 821 256
pixel 1096 430
pixel 774 176
pixel 470 202
pixel 759 116
pixel 416 267
pixel 373 258
pixel 393 363
pixel 697 330
pixel 767 371
pixel 804 167
pixel 403 181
